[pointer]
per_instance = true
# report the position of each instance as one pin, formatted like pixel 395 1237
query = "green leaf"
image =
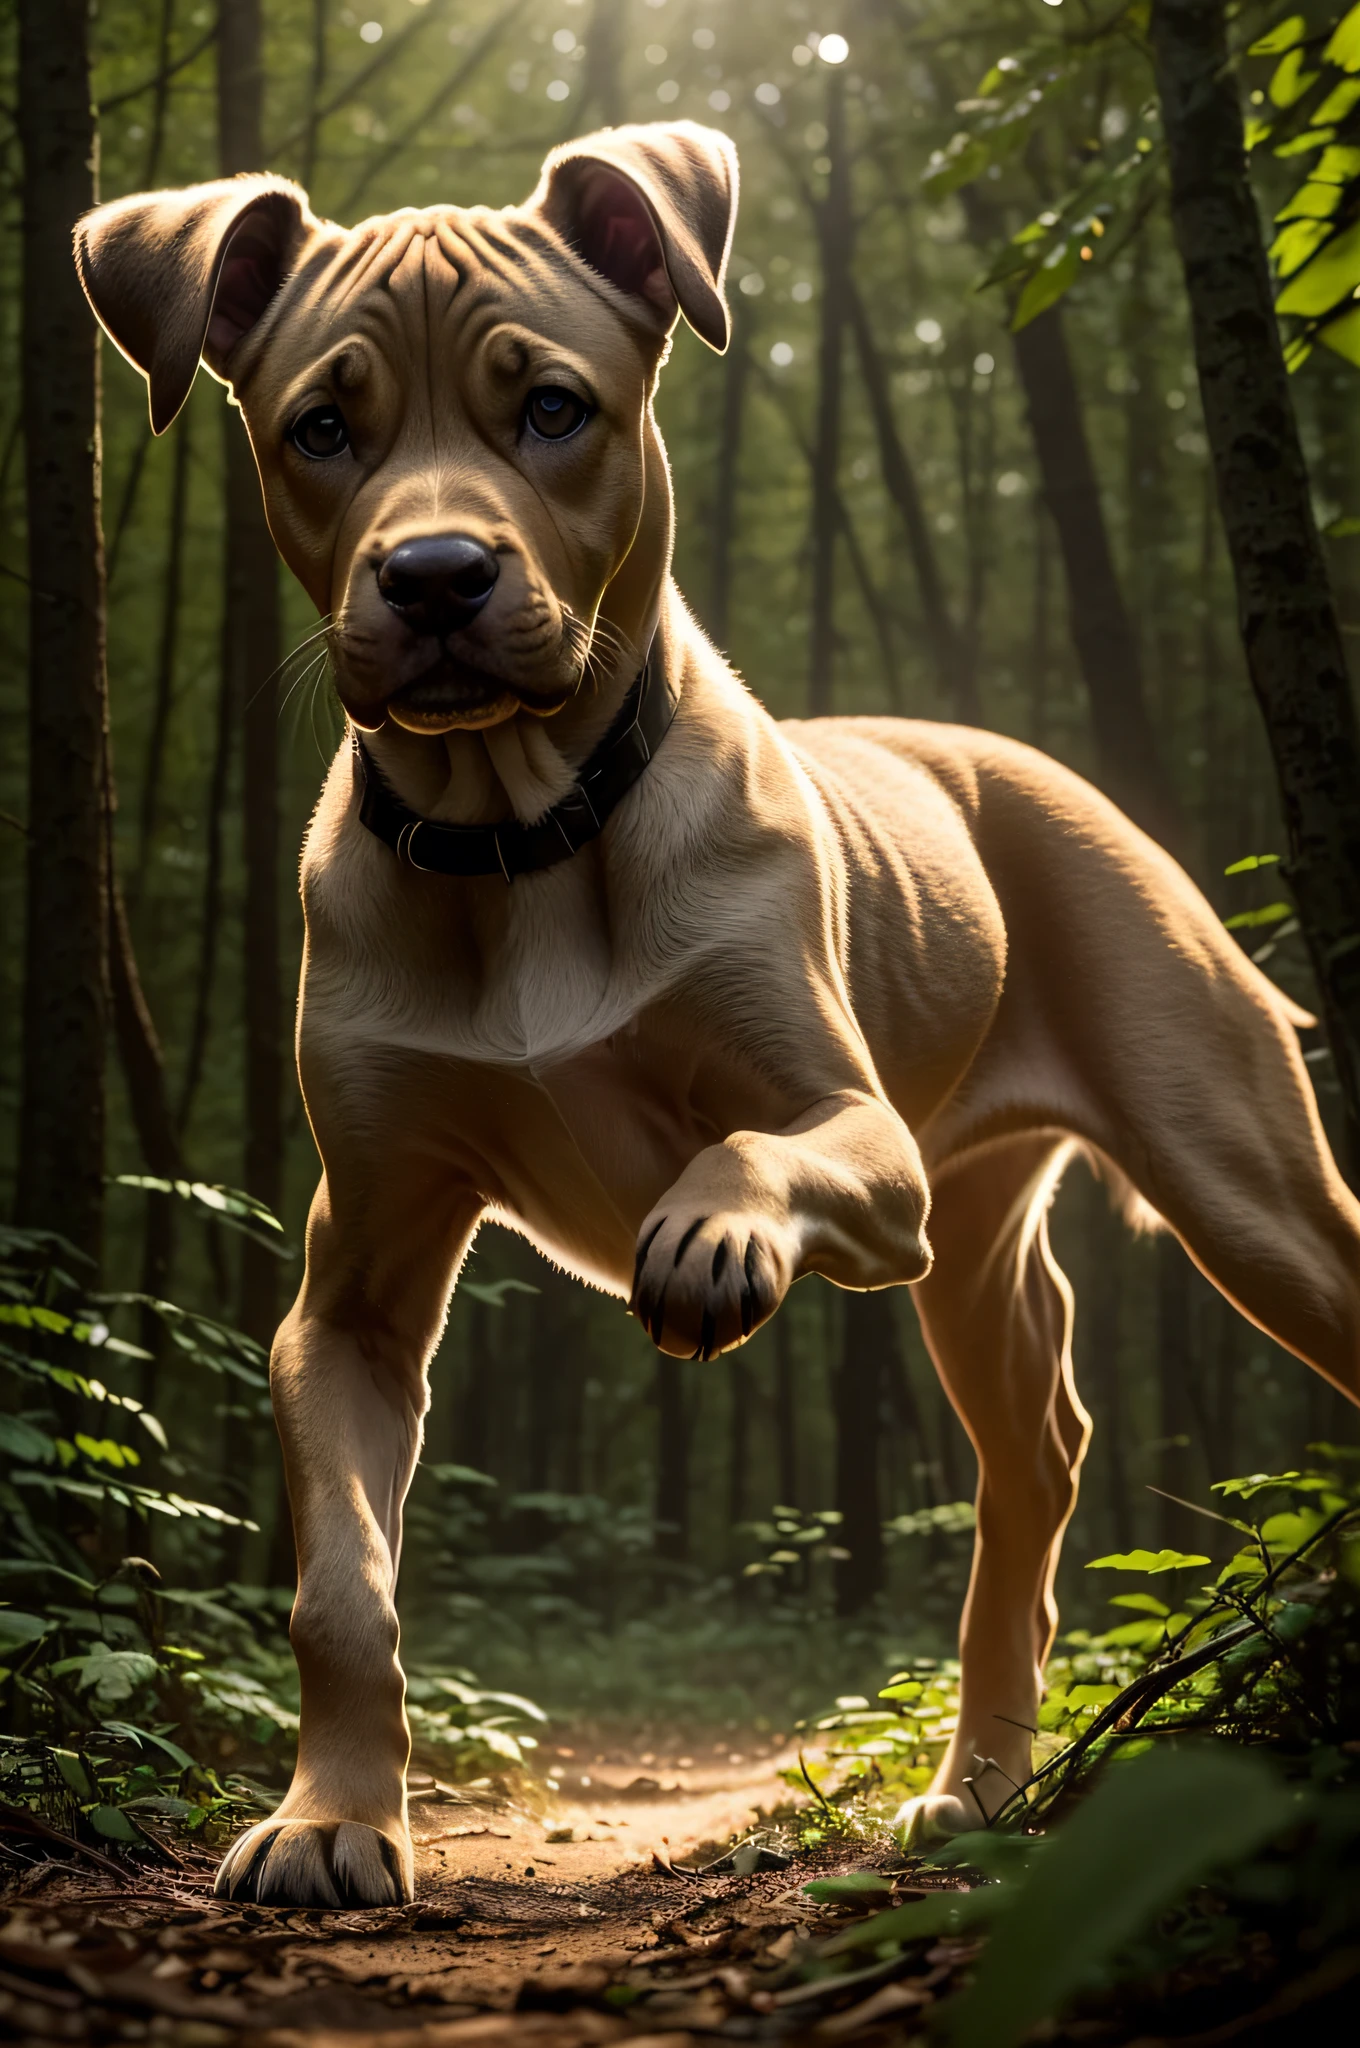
pixel 1151 1829
pixel 852 1888
pixel 1344 48
pixel 113 1825
pixel 912 1690
pixel 1047 285
pixel 1295 243
pixel 921 1920
pixel 1145 1561
pixel 154 1428
pixel 112 1675
pixel 24 1441
pixel 1257 1482
pixel 1338 102
pixel 1328 280
pixel 1302 145
pixel 74 1774
pixel 132 1733
pixel 1269 913
pixel 1282 37
pixel 1142 1603
pixel 1251 861
pixel 1289 81
pixel 1342 336
pixel 17 1628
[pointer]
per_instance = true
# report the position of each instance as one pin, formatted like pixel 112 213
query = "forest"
pixel 982 450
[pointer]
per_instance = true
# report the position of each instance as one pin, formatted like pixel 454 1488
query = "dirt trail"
pixel 614 1804
pixel 514 1937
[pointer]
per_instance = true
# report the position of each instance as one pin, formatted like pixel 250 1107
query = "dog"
pixel 697 1002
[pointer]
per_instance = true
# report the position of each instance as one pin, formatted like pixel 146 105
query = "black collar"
pixel 512 849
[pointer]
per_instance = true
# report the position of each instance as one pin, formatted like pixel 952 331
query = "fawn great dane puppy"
pixel 697 1002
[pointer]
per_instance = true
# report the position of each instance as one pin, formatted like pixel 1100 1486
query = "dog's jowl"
pixel 698 1002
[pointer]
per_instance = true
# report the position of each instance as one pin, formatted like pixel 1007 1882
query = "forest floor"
pixel 554 1919
pixel 580 1918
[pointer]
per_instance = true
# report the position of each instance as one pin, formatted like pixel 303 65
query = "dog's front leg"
pixel 347 1379
pixel 841 1191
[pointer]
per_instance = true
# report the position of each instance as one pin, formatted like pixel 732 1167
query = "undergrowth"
pixel 134 1710
pixel 1191 1831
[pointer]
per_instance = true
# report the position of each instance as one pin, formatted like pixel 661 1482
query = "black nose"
pixel 440 582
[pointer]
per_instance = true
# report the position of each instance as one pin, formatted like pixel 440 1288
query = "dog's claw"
pixel 687 1240
pixel 314 1863
pixel 644 1246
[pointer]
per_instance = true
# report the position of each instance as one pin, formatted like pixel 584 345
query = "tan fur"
pixel 810 980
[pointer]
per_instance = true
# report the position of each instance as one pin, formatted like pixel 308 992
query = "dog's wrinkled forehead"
pixel 422 277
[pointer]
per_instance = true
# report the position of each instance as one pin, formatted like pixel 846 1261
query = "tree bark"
pixel 1131 766
pixel 1288 620
pixel 786 1413
pixel 172 591
pixel 250 656
pixel 315 88
pixel 210 916
pixel 956 683
pixel 1040 655
pixel 62 1109
pixel 834 232
pixel 867 1337
pixel 739 1442
pixel 602 84
pixel 736 371
pixel 672 1461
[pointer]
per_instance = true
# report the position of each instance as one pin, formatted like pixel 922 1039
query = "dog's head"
pixel 450 410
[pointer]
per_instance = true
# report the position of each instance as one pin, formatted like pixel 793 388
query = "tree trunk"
pixel 250 656
pixel 61 1118
pixel 211 913
pixel 315 88
pixel 736 370
pixel 672 1460
pixel 1177 1464
pixel 171 594
pixel 834 230
pixel 956 683
pixel 602 85
pixel 1289 625
pixel 739 1442
pixel 786 1413
pixel 1041 653
pixel 867 1337
pixel 1102 1300
pixel 1126 745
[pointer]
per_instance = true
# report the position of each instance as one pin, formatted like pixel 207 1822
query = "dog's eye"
pixel 321 432
pixel 553 413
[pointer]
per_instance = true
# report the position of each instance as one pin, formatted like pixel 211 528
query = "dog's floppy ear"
pixel 652 209
pixel 175 276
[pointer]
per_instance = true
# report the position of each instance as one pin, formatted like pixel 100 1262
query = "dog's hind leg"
pixel 347 1378
pixel 996 1312
pixel 1237 1163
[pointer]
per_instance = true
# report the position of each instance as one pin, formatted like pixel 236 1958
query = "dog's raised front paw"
pixel 316 1863
pixel 931 1818
pixel 701 1284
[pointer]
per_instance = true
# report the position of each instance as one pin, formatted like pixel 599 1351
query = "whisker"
pixel 320 632
pixel 299 683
